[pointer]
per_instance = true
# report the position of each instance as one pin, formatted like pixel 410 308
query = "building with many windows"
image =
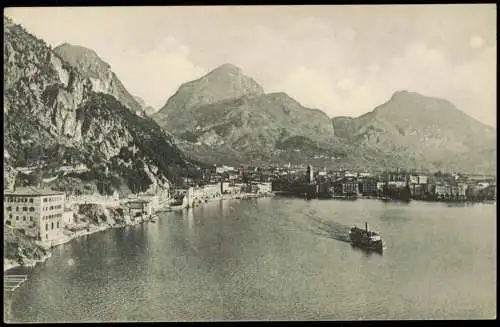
pixel 368 186
pixel 37 212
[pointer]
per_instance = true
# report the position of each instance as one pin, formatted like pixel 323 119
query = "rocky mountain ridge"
pixel 226 116
pixel 228 112
pixel 424 131
pixel 148 110
pixel 102 78
pixel 53 114
pixel 68 103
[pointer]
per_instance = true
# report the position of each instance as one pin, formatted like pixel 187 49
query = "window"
pixel 8 222
pixel 24 218
pixel 25 208
pixel 52 225
pixel 17 217
pixel 32 209
pixel 31 200
pixel 9 208
pixel 10 216
pixel 46 236
pixel 46 226
pixel 44 199
pixel 17 208
pixel 57 225
pixel 31 218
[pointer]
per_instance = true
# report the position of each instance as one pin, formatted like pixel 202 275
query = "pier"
pixel 11 282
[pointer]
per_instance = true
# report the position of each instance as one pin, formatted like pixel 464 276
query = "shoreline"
pixel 370 197
pixel 240 196
pixel 11 263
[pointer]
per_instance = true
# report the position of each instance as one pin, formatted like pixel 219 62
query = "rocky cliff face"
pixel 20 249
pixel 227 114
pixel 148 110
pixel 98 72
pixel 52 113
pixel 423 132
pixel 98 215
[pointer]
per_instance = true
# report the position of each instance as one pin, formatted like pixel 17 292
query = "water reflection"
pixel 367 252
pixel 190 222
pixel 267 259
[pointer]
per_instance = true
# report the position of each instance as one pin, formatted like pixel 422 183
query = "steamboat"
pixel 366 239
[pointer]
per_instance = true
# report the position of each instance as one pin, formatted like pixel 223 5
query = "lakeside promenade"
pixel 88 229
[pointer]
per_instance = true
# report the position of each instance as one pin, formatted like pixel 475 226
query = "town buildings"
pixel 139 207
pixel 37 212
pixel 368 187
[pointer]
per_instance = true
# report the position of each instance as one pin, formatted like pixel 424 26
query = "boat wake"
pixel 329 229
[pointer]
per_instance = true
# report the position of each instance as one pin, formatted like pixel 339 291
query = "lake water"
pixel 272 259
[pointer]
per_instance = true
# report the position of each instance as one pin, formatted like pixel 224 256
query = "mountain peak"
pixel 402 94
pixel 103 79
pixel 76 48
pixel 228 68
pixel 223 83
pixel 78 55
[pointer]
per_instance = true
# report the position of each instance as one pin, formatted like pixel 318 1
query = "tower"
pixel 310 175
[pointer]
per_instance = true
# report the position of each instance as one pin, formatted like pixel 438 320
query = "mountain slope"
pixel 51 113
pixel 148 110
pixel 424 132
pixel 99 72
pixel 228 114
pixel 223 83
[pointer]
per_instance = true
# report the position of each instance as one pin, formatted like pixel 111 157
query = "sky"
pixel 344 60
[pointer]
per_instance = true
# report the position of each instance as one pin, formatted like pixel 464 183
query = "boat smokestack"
pixel 366 226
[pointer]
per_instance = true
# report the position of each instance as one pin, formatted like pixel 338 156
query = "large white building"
pixel 38 212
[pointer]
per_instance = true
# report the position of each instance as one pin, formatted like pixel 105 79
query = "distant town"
pixel 53 217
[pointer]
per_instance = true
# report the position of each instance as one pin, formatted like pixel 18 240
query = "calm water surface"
pixel 272 259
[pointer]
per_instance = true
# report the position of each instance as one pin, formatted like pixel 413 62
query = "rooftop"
pixel 137 201
pixel 33 191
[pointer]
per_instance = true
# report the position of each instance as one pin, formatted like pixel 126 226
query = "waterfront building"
pixel 417 190
pixel 414 179
pixel 139 207
pixel 429 188
pixel 369 187
pixel 154 200
pixel 462 190
pixel 208 191
pixel 68 217
pixel 264 188
pixel 422 179
pixel 442 190
pixel 349 186
pixel 37 212
pixel 396 184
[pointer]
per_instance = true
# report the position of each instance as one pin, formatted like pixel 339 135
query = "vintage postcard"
pixel 249 163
